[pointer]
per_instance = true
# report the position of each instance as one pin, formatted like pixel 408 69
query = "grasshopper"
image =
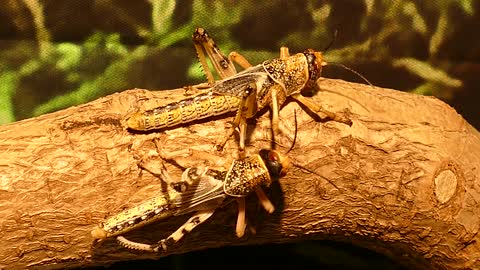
pixel 245 92
pixel 209 189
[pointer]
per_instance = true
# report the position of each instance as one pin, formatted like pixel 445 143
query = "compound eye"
pixel 276 163
pixel 313 61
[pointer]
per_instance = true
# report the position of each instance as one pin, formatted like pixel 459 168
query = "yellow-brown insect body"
pixel 245 176
pixel 184 111
pixel 208 190
pixel 151 210
pixel 292 74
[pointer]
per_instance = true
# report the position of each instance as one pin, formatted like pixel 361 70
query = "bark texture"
pixel 402 180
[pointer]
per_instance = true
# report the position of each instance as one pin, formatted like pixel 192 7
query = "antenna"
pixel 351 70
pixel 335 35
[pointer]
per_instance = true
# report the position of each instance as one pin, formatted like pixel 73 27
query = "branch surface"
pixel 402 180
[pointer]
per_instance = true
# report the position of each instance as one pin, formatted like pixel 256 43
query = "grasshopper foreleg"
pixel 241 223
pixel 318 110
pixel 264 200
pixel 241 220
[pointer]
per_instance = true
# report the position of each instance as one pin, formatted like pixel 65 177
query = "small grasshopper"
pixel 246 92
pixel 208 189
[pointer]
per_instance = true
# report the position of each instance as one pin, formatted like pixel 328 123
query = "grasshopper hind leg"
pixel 163 244
pixel 204 44
pixel 191 224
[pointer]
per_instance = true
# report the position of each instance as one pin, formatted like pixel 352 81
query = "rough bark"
pixel 402 180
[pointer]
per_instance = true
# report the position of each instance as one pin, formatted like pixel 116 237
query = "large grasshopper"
pixel 245 92
pixel 208 189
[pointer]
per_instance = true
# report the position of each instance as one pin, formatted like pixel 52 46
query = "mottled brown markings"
pixel 287 76
pixel 245 176
pixel 75 124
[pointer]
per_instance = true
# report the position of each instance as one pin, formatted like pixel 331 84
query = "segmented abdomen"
pixel 184 111
pixel 154 209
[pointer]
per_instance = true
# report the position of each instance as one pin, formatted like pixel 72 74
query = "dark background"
pixel 59 53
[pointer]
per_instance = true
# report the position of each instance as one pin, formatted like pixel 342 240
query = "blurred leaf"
pixel 369 4
pixel 425 89
pixel 435 89
pixel 354 53
pixel 8 87
pixel 426 71
pixel 418 23
pixel 69 56
pixel 114 45
pixel 466 5
pixel 440 33
pixel 30 67
pixel 93 41
pixel 111 78
pixel 215 14
pixel 162 15
pixel 321 14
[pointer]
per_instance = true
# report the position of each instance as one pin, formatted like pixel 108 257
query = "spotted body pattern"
pixel 225 95
pixel 184 111
pixel 208 191
pixel 246 175
pixel 247 92
pixel 154 209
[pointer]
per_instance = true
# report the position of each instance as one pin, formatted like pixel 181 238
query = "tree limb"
pixel 402 180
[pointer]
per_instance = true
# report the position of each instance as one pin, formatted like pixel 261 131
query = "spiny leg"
pixel 163 244
pixel 191 223
pixel 204 43
pixel 316 108
pixel 124 242
pixel 241 224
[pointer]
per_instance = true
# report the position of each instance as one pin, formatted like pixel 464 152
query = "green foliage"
pixel 7 88
pixel 380 32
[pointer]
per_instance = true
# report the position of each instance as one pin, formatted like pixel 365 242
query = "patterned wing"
pixel 236 85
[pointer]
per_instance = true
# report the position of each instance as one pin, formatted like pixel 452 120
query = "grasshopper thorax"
pixel 245 176
pixel 315 63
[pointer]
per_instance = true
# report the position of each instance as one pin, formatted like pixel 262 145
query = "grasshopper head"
pixel 315 63
pixel 277 164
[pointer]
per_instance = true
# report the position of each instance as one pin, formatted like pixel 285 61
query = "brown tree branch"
pixel 402 180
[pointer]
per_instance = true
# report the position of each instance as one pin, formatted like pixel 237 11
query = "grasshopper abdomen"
pixel 184 111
